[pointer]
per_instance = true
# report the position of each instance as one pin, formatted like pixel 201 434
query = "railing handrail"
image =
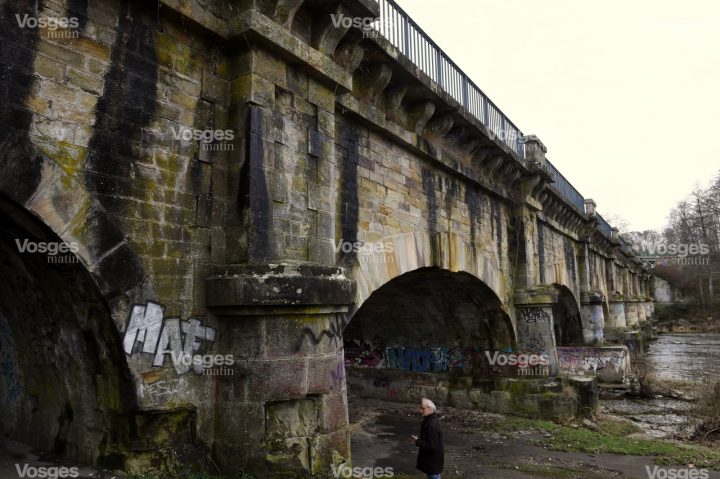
pixel 503 127
pixel 604 226
pixel 561 184
pixel 403 41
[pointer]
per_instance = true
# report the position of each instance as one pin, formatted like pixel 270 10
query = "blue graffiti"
pixel 418 359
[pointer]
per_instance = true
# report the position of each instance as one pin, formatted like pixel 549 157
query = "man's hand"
pixel 413 439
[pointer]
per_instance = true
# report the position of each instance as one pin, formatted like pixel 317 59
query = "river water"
pixel 686 356
pixel 689 357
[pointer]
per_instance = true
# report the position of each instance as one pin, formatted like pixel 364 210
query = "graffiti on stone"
pixel 337 376
pixel 162 391
pixel 363 354
pixel 334 333
pixel 417 387
pixel 535 342
pixel 418 359
pixel 533 315
pixel 594 361
pixel 148 332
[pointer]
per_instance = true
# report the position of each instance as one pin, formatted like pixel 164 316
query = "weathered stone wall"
pixel 610 364
pixel 558 259
pixel 239 245
pixel 664 292
pixel 103 108
pixel 425 215
pixel 528 397
pixel 598 265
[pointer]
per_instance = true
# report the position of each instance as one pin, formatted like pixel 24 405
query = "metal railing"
pixel 565 189
pixel 604 226
pixel 398 28
pixel 403 33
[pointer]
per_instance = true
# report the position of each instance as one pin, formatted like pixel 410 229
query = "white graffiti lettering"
pixel 174 337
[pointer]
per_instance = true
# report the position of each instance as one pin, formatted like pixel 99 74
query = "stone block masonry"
pixel 253 191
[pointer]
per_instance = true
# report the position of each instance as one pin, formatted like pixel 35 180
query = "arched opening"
pixel 65 388
pixel 422 332
pixel 566 318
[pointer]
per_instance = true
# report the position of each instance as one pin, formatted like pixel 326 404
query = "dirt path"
pixel 471 453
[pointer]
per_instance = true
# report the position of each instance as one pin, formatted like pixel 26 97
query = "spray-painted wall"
pixel 189 165
pixel 610 364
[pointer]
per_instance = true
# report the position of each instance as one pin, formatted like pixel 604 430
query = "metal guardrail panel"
pixel 398 28
pixel 604 226
pixel 566 189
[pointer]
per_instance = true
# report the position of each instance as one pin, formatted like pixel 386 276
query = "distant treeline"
pixel 687 251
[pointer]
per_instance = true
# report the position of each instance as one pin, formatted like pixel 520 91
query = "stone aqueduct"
pixel 348 188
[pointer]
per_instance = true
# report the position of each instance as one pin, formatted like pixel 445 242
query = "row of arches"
pixel 65 385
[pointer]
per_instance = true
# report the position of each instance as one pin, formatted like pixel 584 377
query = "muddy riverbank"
pixel 630 438
pixel 483 445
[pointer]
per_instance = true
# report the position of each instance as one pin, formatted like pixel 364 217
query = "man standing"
pixel 431 453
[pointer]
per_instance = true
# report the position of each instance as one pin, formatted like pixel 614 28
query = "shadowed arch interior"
pixel 566 318
pixel 64 384
pixel 428 320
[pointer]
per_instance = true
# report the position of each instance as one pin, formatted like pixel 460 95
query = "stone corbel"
pixel 457 134
pixel 349 56
pixel 441 124
pixel 493 165
pixel 373 84
pixel 469 144
pixel 482 154
pixel 419 116
pixel 283 11
pixel 327 35
pixel 394 97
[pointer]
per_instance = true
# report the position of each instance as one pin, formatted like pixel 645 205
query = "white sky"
pixel 624 94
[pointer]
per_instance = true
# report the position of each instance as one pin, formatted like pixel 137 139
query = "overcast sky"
pixel 624 94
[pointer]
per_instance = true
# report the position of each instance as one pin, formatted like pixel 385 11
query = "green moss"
pixel 193 475
pixel 612 439
pixel 556 472
pixel 69 157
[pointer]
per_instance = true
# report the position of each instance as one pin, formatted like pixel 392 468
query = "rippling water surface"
pixel 686 356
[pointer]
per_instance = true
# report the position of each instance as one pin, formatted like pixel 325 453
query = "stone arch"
pixel 404 253
pixel 567 320
pixel 432 322
pixel 65 387
pixel 56 198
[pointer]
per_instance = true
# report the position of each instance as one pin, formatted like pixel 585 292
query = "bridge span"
pixel 221 216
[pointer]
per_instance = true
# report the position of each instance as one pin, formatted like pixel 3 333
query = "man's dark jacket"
pixel 431 455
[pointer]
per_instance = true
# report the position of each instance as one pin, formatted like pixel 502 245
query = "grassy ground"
pixel 612 437
pixel 193 475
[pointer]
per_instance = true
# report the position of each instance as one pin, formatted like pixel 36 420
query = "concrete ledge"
pixel 251 25
pixel 279 285
pixel 544 295
pixel 526 397
pixel 610 364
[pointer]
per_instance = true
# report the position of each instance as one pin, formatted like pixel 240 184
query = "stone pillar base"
pixel 284 407
pixel 593 317
pixel 535 327
pixel 631 314
pixel 617 319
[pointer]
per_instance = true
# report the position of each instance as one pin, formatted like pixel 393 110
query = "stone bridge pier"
pixel 222 220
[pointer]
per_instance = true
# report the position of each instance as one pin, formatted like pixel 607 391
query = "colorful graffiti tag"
pixel 363 354
pixel 418 359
